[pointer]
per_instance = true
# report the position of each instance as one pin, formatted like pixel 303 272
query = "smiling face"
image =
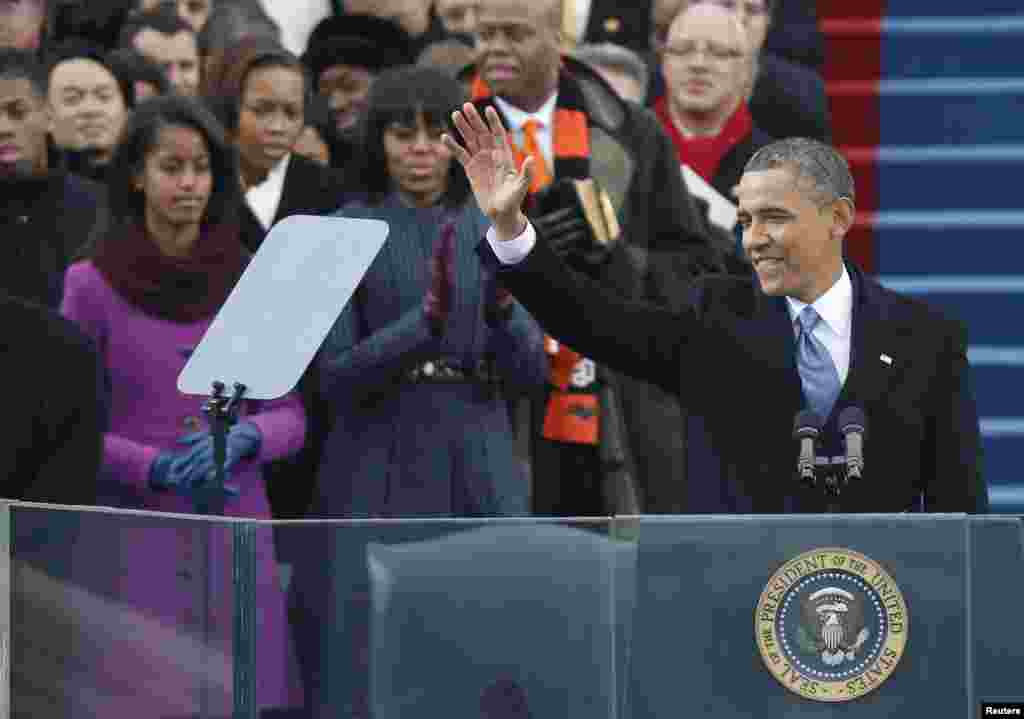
pixel 518 50
pixel 271 117
pixel 88 110
pixel 794 243
pixel 347 90
pixel 176 180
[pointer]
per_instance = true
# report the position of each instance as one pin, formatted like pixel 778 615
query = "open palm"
pixel 487 158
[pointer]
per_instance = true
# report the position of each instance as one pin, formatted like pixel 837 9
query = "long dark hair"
pixel 398 96
pixel 127 203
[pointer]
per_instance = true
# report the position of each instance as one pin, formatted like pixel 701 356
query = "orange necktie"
pixel 531 148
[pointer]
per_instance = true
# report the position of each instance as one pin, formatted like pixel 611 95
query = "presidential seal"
pixel 831 625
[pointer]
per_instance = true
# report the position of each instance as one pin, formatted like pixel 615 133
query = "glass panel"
pixel 135 614
pixel 453 618
pixel 997 623
pixel 120 615
pixel 707 590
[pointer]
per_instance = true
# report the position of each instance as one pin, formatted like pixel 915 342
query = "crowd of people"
pixel 147 148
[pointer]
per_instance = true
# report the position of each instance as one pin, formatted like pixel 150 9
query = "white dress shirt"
pixel 264 199
pixel 835 331
pixel 545 117
pixel 835 306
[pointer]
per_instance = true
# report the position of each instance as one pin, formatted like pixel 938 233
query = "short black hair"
pixel 131 66
pixel 397 96
pixel 24 65
pixel 79 49
pixel 126 203
pixel 71 48
pixel 164 19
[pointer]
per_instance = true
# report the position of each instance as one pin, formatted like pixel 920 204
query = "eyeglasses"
pixel 687 50
pixel 753 8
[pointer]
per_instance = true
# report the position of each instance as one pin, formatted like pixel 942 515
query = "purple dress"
pixel 153 566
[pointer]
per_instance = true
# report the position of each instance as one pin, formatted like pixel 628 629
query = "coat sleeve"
pixel 125 459
pixel 681 242
pixel 951 466
pixel 634 338
pixel 354 367
pixel 517 345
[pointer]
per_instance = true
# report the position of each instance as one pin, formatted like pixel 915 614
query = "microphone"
pixel 806 429
pixel 853 425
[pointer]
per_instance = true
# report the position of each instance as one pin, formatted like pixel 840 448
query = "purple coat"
pixel 155 565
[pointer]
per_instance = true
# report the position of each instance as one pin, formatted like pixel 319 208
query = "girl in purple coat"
pixel 146 294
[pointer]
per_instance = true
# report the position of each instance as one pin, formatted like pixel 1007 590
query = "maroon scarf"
pixel 179 289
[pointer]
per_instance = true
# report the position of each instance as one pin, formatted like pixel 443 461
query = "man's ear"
pixel 844 214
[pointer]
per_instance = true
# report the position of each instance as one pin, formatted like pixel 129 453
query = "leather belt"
pixel 441 370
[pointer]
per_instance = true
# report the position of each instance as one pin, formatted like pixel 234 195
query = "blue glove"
pixel 166 474
pixel 243 440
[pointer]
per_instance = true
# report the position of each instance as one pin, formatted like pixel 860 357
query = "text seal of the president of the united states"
pixel 831 625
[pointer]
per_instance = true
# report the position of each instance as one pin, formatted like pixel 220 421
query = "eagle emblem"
pixel 831 625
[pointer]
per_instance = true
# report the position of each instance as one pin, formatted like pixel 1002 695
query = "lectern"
pixel 861 616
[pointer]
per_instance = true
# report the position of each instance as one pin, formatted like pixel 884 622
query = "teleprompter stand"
pixel 269 329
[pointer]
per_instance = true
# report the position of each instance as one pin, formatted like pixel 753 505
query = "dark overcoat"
pixel 730 353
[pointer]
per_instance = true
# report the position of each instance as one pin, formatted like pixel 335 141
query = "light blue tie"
pixel 817 371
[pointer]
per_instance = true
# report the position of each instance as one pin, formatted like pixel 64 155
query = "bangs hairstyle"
pixel 224 88
pixel 149 119
pixel 398 96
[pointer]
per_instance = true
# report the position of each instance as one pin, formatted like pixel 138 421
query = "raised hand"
pixel 490 165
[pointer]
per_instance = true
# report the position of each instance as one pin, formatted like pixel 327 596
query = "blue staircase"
pixel 950 226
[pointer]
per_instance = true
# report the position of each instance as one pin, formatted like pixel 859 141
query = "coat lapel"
pixel 873 342
pixel 777 343
pixel 291 190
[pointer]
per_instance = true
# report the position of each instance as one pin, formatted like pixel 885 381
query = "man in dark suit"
pixel 47 213
pixel 563 114
pixel 811 331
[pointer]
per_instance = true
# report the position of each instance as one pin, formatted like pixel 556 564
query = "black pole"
pixel 220 412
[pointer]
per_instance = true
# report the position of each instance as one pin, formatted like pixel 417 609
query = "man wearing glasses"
pixel 786 99
pixel 704 108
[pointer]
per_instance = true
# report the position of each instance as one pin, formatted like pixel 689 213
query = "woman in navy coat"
pixel 403 388
pixel 416 372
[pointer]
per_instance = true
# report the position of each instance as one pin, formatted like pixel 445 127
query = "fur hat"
pixel 360 40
